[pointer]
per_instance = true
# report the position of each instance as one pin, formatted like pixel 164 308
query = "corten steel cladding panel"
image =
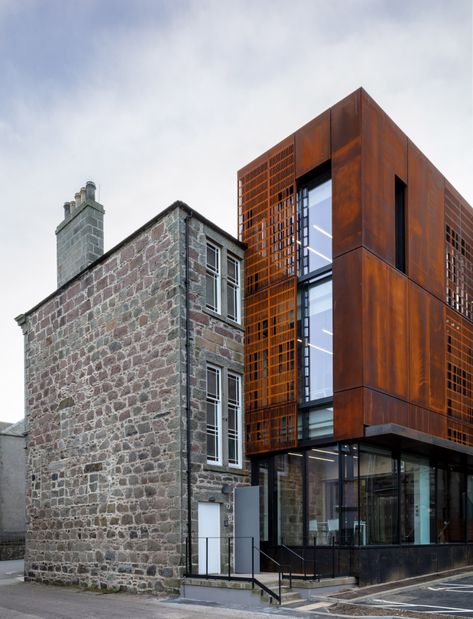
pixel 267 219
pixel 384 156
pixel 385 327
pixel 426 223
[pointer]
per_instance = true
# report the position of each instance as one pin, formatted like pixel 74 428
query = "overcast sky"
pixel 163 100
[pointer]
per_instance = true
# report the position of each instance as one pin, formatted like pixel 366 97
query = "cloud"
pixel 157 101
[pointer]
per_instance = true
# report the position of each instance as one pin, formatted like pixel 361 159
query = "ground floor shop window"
pixel 289 479
pixel 349 494
pixel 378 497
pixel 322 495
pixel 417 488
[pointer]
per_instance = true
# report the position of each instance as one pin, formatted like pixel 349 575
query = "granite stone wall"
pixel 217 340
pixel 105 399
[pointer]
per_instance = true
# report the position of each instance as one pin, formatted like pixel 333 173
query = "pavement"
pixel 20 600
pixel 440 597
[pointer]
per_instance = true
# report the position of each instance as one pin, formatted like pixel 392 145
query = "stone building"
pixel 12 490
pixel 133 401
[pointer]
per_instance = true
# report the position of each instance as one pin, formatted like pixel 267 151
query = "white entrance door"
pixel 209 527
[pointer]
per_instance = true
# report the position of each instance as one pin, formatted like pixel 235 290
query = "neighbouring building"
pixel 359 348
pixel 12 490
pixel 134 394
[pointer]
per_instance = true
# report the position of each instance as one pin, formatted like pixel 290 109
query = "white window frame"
pixel 234 288
pixel 215 273
pixel 217 401
pixel 239 424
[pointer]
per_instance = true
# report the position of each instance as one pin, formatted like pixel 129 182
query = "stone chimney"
pixel 80 235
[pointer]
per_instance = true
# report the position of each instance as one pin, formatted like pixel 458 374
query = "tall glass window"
pixel 316 226
pixel 317 342
pixel 233 289
pixel 234 420
pixel 263 476
pixel 378 497
pixel 417 500
pixel 289 479
pixel 323 495
pixel 214 415
pixel 469 506
pixel 457 497
pixel 213 277
pixel 352 530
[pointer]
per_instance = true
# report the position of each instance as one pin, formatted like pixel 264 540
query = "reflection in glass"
pixel 317 342
pixel 315 423
pixel 264 501
pixel 456 513
pixel 469 507
pixel 288 470
pixel 416 499
pixel 353 530
pixel 316 203
pixel 322 498
pixel 378 498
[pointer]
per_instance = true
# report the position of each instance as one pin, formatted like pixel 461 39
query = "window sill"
pixel 225 319
pixel 228 470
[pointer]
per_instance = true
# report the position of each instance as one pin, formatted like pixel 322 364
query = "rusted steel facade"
pixel 402 342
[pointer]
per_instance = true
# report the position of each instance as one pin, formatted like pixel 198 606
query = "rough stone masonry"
pixel 105 409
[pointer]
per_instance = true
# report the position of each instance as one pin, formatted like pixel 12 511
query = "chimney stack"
pixel 80 235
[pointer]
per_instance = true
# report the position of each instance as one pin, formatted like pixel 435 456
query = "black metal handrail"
pixel 280 572
pixel 304 562
pixel 229 576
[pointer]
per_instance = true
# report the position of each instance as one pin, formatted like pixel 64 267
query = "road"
pixel 452 596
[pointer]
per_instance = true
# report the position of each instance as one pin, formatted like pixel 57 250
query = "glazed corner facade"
pixel 402 341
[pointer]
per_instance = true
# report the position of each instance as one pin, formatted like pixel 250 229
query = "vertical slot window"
pixel 233 289
pixel 234 420
pixel 213 277
pixel 400 223
pixel 214 415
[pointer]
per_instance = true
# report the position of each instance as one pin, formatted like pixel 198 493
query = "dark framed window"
pixel 400 223
pixel 315 209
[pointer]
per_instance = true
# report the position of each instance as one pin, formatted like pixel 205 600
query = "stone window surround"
pixel 226 367
pixel 217 401
pixel 215 272
pixel 222 313
pixel 239 416
pixel 235 285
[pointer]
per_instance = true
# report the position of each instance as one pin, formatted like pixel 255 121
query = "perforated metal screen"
pixel 459 329
pixel 267 218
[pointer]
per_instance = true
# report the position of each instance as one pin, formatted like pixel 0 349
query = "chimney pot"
pixel 90 190
pixel 80 235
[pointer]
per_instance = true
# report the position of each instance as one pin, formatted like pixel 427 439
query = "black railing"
pixel 314 561
pixel 227 573
pixel 309 566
